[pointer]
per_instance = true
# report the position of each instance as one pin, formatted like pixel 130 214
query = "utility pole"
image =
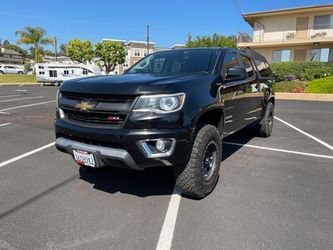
pixel 147 39
pixel 55 48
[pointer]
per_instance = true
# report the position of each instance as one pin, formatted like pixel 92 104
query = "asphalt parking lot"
pixel 275 193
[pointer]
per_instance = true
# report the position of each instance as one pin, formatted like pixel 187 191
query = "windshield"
pixel 177 62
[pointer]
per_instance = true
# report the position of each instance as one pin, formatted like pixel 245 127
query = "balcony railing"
pixel 291 37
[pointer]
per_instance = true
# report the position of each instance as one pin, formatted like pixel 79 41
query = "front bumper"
pixel 120 147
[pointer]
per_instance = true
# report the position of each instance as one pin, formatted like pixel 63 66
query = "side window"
pixel 263 68
pixel 230 61
pixel 247 65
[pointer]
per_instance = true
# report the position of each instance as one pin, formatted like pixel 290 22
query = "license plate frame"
pixel 85 158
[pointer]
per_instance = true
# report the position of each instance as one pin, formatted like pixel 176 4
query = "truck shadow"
pixel 151 182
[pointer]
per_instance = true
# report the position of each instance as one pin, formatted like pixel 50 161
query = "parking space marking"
pixel 278 150
pixel 26 154
pixel 4 113
pixel 305 133
pixel 5 124
pixel 168 228
pixel 25 106
pixel 21 90
pixel 24 98
pixel 8 95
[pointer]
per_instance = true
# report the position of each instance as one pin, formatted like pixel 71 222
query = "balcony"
pixel 289 38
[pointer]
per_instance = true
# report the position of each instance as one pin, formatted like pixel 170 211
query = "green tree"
pixel 36 37
pixel 215 40
pixel 62 49
pixel 6 42
pixel 80 51
pixel 111 54
pixel 244 37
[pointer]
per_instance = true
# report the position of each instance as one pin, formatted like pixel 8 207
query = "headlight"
pixel 152 106
pixel 160 104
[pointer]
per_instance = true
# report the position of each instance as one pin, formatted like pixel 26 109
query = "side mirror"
pixel 236 74
pixel 125 71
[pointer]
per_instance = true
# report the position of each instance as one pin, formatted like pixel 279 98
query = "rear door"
pixel 252 94
pixel 234 95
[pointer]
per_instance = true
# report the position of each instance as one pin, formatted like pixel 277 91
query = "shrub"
pixel 320 86
pixel 290 87
pixel 304 71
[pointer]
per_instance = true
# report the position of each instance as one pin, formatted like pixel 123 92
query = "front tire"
pixel 199 177
pixel 20 73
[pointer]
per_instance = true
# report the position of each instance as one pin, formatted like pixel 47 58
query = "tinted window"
pixel 230 61
pixel 177 62
pixel 263 68
pixel 248 66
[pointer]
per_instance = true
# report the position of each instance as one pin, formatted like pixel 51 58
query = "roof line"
pixel 287 9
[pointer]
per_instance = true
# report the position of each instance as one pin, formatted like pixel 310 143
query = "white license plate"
pixel 84 158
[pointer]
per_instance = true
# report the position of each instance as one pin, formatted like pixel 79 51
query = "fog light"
pixel 154 148
pixel 160 146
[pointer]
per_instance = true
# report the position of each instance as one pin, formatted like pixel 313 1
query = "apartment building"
pixel 10 56
pixel 295 34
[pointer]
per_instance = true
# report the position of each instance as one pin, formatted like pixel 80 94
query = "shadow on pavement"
pixel 154 181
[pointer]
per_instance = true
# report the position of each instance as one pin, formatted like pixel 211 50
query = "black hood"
pixel 127 84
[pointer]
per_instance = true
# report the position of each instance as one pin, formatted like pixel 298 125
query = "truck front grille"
pixel 96 110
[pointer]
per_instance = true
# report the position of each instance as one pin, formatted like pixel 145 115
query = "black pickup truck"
pixel 172 109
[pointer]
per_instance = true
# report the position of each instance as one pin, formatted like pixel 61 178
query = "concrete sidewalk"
pixel 304 97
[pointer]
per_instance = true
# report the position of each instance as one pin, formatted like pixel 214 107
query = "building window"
pixel 66 72
pixel 281 56
pixel 322 22
pixel 40 67
pixel 145 52
pixel 320 55
pixel 41 72
pixel 136 52
pixel 85 72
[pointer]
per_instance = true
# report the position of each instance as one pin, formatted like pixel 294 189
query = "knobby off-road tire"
pixel 199 177
pixel 265 126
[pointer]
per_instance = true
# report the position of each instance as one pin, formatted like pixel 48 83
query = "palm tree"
pixel 34 36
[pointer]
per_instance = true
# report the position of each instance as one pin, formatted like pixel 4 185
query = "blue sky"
pixel 170 20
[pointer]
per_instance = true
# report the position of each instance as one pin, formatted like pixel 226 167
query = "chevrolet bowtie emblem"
pixel 85 106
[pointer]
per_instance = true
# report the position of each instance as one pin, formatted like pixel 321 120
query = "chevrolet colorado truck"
pixel 171 109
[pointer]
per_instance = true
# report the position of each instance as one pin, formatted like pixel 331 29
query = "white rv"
pixel 57 73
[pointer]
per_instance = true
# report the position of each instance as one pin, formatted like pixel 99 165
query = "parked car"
pixel 10 69
pixel 171 109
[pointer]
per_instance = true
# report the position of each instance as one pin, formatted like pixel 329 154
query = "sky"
pixel 170 20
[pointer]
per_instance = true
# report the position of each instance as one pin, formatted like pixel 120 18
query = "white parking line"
pixel 305 133
pixel 9 95
pixel 279 150
pixel 24 98
pixel 168 228
pixel 26 154
pixel 4 124
pixel 25 106
pixel 21 90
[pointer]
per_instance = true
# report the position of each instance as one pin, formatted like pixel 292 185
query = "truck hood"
pixel 127 84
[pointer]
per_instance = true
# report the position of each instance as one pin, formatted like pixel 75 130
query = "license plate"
pixel 84 158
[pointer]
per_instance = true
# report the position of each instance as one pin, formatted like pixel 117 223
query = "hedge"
pixel 304 71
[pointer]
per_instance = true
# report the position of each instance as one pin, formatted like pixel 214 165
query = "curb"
pixel 18 83
pixel 304 97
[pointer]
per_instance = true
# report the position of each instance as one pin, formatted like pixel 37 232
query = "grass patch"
pixel 8 78
pixel 290 86
pixel 320 86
